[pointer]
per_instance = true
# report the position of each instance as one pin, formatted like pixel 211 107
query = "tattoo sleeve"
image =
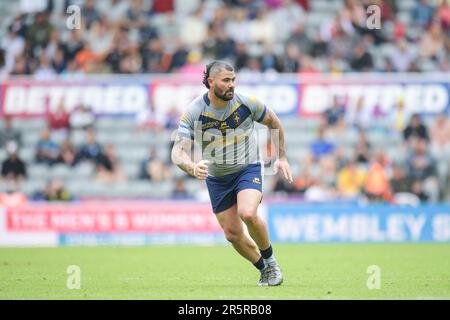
pixel 276 132
pixel 181 154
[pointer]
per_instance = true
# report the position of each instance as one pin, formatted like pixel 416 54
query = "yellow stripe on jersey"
pixel 234 108
pixel 210 115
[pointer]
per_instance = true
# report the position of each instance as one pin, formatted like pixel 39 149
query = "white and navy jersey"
pixel 227 135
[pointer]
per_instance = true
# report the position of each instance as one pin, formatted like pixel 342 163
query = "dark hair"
pixel 213 68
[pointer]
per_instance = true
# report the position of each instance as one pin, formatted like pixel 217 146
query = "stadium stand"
pixel 154 37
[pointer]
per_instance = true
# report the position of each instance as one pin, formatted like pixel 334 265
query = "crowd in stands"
pixel 160 36
pixel 420 174
pixel 168 36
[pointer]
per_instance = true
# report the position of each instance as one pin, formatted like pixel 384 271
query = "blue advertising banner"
pixel 342 223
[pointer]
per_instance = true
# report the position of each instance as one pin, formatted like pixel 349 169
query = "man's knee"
pixel 248 215
pixel 233 236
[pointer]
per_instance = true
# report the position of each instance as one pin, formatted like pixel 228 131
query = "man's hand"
pixel 283 165
pixel 201 169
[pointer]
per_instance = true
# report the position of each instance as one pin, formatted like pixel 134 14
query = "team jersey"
pixel 227 136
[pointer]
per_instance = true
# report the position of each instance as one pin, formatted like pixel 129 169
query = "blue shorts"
pixel 223 190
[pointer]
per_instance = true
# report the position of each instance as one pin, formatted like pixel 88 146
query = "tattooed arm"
pixel 181 156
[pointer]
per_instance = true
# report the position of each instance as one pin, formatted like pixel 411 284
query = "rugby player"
pixel 222 122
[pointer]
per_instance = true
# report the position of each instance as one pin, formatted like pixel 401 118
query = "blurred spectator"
pixel 299 38
pixel 150 118
pixel 280 185
pixel 132 60
pixel 3 71
pixel 350 180
pixel 362 149
pixel 420 164
pixel 89 13
pixel 362 59
pixel 153 168
pixel 291 61
pixel 415 129
pixel 423 13
pixel 238 26
pixel 320 192
pixel 432 43
pixel 155 59
pixel 38 33
pixel 321 147
pixel 320 47
pixel 47 151
pixel 21 67
pixel 402 56
pixel 307 65
pixel 194 65
pixel 399 116
pixel 399 181
pixel 443 14
pixel 13 45
pixel 252 68
pixel 180 192
pixel 136 16
pixel 90 151
pixel 304 180
pixel 417 189
pixel 358 115
pixel 13 168
pixel 219 44
pixel 193 28
pixel 9 133
pixel 108 166
pixel 327 169
pixel 376 184
pixel 333 114
pixel 33 6
pixel 100 37
pixel 440 136
pixel 13 197
pixel 54 191
pixel 261 28
pixel 53 44
pixel 82 118
pixel 59 62
pixel 67 153
pixel 87 59
pixel 73 45
pixel 179 57
pixel 172 119
pixel 117 10
pixel 241 57
pixel 44 70
pixel 286 17
pixel 59 120
pixel 162 6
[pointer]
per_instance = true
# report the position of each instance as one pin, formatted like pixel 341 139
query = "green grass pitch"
pixel 311 271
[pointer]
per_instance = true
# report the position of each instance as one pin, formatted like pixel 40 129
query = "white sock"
pixel 270 261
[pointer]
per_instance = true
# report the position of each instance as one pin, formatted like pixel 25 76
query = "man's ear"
pixel 210 82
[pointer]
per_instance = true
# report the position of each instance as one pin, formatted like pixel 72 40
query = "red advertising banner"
pixel 107 97
pixel 113 217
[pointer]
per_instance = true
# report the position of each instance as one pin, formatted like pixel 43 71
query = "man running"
pixel 222 123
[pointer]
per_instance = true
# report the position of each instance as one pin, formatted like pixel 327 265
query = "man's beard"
pixel 225 96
